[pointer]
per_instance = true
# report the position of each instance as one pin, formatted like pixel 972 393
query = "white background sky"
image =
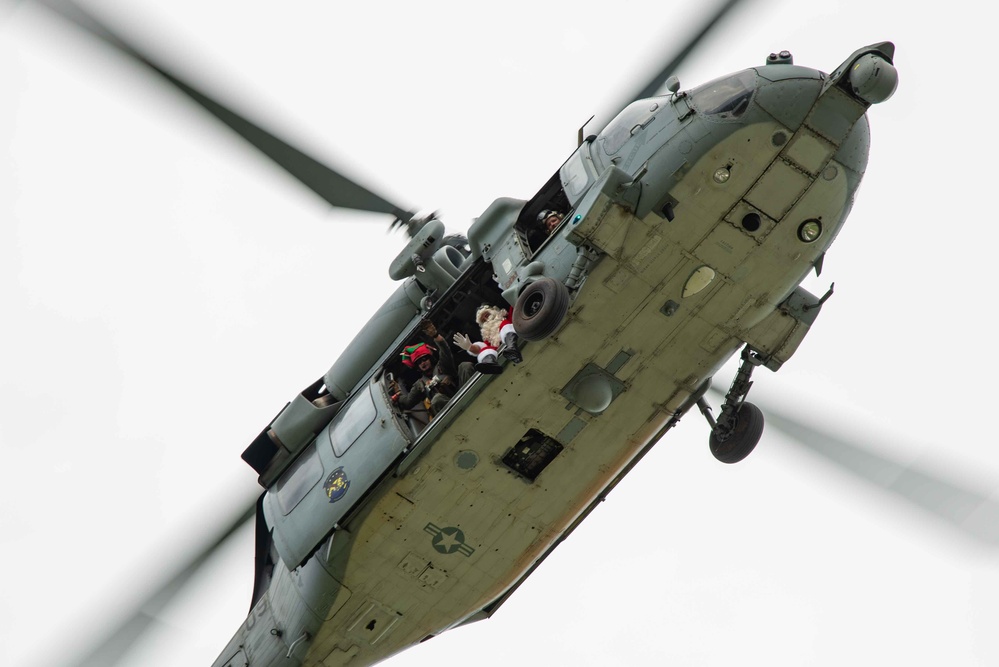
pixel 164 292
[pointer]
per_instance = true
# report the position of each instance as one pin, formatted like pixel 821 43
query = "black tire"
pixel 745 435
pixel 540 309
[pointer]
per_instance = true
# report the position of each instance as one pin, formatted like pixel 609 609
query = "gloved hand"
pixel 463 341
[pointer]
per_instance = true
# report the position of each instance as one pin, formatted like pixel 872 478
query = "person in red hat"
pixel 437 383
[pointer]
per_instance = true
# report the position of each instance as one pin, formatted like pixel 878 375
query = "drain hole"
pixel 751 222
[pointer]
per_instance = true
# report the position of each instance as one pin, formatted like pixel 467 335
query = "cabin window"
pixel 295 483
pixel 726 98
pixel 350 424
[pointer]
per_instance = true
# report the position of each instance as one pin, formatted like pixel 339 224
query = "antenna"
pixel 579 135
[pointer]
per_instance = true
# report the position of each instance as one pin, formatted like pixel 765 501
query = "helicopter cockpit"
pixel 530 232
pixel 726 98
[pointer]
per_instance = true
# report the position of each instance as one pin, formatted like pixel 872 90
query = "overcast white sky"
pixel 165 292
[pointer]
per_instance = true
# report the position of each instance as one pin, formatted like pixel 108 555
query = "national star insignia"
pixel 449 540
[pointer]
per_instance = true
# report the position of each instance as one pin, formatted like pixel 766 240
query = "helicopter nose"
pixel 873 78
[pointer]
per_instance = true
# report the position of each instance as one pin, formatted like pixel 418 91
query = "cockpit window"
pixel 725 98
pixel 618 131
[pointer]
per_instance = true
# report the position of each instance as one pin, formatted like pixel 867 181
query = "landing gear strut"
pixel 740 424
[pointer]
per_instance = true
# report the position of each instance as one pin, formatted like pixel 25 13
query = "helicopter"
pixel 528 348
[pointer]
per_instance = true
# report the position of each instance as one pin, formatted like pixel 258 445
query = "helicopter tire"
pixel 746 433
pixel 540 309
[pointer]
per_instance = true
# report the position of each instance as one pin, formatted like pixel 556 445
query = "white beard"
pixel 490 329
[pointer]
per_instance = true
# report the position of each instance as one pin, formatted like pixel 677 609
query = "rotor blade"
pixel 109 650
pixel 334 187
pixel 673 60
pixel 973 513
pixel 653 85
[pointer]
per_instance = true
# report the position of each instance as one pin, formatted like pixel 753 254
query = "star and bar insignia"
pixel 449 540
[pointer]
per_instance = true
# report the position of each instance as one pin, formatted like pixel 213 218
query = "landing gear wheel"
pixel 540 309
pixel 745 434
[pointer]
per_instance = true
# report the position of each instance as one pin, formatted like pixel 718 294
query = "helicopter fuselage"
pixel 691 221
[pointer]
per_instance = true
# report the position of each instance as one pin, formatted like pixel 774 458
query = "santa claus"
pixel 498 337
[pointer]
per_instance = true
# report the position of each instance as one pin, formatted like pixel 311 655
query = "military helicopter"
pixel 532 346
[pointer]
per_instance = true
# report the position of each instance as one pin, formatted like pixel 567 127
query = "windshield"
pixel 725 98
pixel 618 131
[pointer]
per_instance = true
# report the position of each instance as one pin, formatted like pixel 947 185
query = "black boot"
pixel 510 350
pixel 488 368
pixel 489 365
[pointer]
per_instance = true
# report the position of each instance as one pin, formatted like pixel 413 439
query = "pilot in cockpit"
pixel 547 221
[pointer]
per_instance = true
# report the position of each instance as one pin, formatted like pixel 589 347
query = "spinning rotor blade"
pixel 653 85
pixel 334 187
pixel 656 82
pixel 972 513
pixel 110 649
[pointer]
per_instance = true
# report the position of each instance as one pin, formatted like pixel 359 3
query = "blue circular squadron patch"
pixel 336 485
